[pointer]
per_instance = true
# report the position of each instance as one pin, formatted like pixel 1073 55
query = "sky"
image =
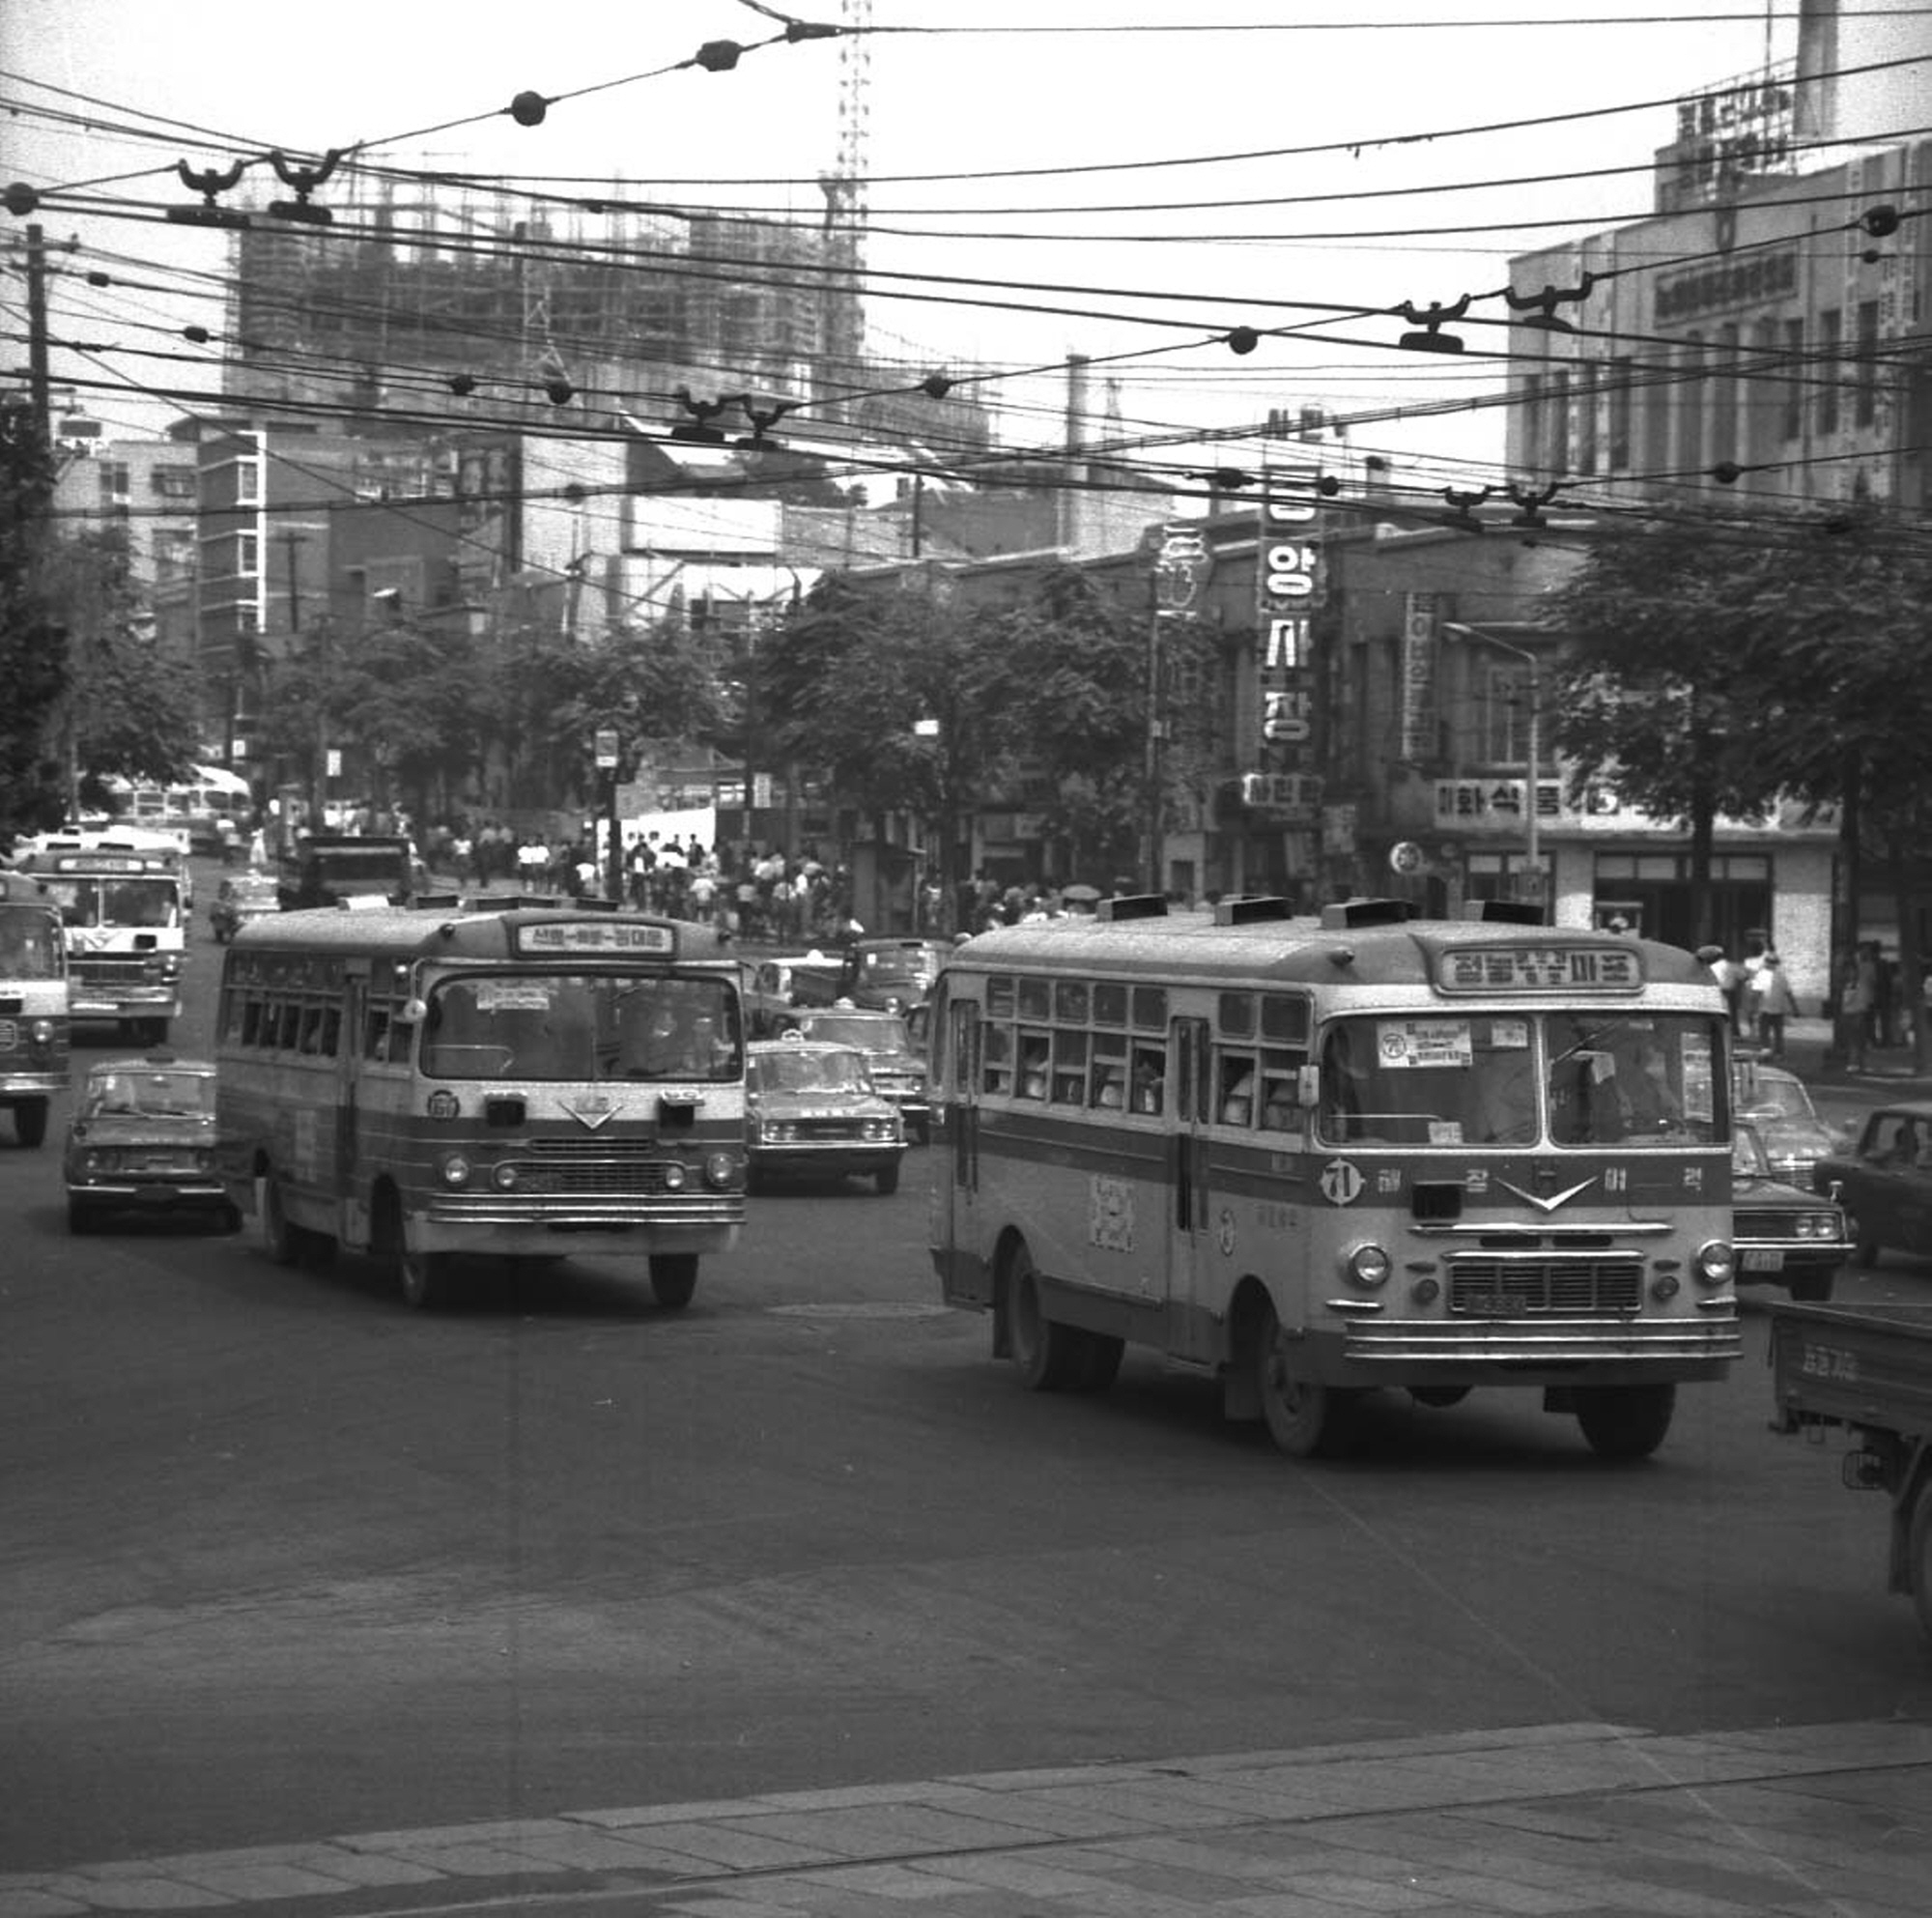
pixel 1380 167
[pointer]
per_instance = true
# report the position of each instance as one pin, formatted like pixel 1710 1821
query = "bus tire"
pixel 30 1122
pixel 1625 1421
pixel 1099 1363
pixel 1047 1355
pixel 424 1277
pixel 1304 1418
pixel 1918 1557
pixel 673 1279
pixel 280 1234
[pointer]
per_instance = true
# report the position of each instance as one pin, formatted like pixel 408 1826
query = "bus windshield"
pixel 29 948
pixel 117 902
pixel 581 1027
pixel 1579 1078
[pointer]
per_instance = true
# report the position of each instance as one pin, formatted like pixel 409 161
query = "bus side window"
pixel 998 1075
pixel 1110 1076
pixel 1032 1065
pixel 1236 1106
pixel 1150 1079
pixel 1279 1112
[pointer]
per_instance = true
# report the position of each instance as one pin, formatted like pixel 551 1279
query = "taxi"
pixel 898 1072
pixel 1782 1235
pixel 811 1110
pixel 142 1141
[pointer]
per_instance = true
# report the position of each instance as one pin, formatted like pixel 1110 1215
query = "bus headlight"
pixel 721 1170
pixel 41 1032
pixel 1366 1264
pixel 455 1170
pixel 674 1176
pixel 504 1177
pixel 1715 1262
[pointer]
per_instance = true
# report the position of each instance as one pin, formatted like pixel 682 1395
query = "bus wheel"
pixel 30 1122
pixel 425 1278
pixel 1047 1355
pixel 1625 1421
pixel 1099 1363
pixel 1305 1418
pixel 1918 1558
pixel 282 1237
pixel 673 1279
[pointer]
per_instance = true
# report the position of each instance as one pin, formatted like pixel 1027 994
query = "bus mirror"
pixel 414 1012
pixel 1307 1086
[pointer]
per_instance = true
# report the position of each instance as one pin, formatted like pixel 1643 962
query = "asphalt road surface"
pixel 279 1557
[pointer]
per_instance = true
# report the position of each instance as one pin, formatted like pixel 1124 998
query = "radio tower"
pixel 841 366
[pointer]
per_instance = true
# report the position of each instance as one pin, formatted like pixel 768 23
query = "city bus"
pixel 192 810
pixel 420 1084
pixel 1310 1159
pixel 32 1005
pixel 124 906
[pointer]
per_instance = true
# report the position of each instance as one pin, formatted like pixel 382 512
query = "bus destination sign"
pixel 576 937
pixel 1539 969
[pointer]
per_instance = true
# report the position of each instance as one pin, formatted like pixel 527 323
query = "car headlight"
pixel 40 1032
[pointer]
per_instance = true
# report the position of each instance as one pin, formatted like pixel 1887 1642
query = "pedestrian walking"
pixel 1855 1004
pixel 1776 1003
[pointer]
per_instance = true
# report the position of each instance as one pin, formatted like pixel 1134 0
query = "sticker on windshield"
pixel 511 995
pixel 1402 1045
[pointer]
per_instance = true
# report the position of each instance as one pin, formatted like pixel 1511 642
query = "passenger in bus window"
pixel 1237 1092
pixel 1109 1093
pixel 1278 1107
pixel 1033 1069
pixel 1150 1077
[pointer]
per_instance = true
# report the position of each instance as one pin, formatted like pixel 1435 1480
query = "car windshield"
pixel 1748 1157
pixel 870 1035
pixel 813 1072
pixel 151 1095
pixel 1761 1096
pixel 1513 1078
pixel 582 1027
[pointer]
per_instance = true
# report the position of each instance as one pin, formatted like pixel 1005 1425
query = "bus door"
pixel 1189 1203
pixel 966 1277
pixel 348 1190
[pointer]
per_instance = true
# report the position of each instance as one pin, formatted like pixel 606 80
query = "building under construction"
pixel 435 307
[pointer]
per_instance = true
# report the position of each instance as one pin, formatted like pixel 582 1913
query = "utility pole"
pixel 39 385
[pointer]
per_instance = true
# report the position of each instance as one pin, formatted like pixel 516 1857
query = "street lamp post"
pixel 1532 840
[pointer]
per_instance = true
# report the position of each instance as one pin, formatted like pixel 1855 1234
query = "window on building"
pixel 1791 425
pixel 1586 423
pixel 1831 343
pixel 1556 453
pixel 1693 371
pixel 112 477
pixel 1659 395
pixel 247 482
pixel 1621 400
pixel 1864 406
pixel 1505 714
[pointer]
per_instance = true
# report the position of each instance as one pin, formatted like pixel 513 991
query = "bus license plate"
pixel 1496 1304
pixel 1763 1258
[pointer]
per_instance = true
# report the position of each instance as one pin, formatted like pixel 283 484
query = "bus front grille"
pixel 589 1166
pixel 1550 1286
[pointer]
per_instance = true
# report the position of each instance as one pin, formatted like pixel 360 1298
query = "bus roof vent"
pixel 1132 906
pixel 1247 911
pixel 1343 913
pixel 1504 912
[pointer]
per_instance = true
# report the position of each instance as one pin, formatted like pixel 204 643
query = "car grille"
pixel 1758 1225
pixel 1546 1287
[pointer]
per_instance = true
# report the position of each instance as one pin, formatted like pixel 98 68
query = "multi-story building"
pixel 1765 328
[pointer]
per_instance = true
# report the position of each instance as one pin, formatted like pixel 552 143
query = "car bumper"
pixel 838 1161
pixel 152 1195
pixel 1779 1265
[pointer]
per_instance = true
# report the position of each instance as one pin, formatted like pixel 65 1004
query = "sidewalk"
pixel 1890 1072
pixel 1810 1821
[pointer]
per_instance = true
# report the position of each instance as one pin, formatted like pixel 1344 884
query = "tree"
pixel 1655 697
pixel 33 647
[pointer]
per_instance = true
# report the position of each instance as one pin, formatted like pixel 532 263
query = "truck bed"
pixel 1863 1366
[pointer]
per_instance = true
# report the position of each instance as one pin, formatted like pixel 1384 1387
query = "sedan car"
pixel 142 1141
pixel 236 901
pixel 898 1072
pixel 1885 1181
pixel 1781 1234
pixel 1779 1103
pixel 812 1111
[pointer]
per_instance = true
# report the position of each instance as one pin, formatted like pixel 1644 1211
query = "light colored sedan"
pixel 812 1111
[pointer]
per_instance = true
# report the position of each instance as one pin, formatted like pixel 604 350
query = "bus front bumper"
pixel 1612 1348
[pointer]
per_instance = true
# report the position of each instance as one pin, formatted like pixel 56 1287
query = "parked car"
pixel 236 901
pixel 897 1070
pixel 1884 1182
pixel 142 1140
pixel 1781 1233
pixel 812 1111
pixel 1779 1103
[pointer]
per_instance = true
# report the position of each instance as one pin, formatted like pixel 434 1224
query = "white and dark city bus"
pixel 33 1004
pixel 1315 1157
pixel 421 1084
